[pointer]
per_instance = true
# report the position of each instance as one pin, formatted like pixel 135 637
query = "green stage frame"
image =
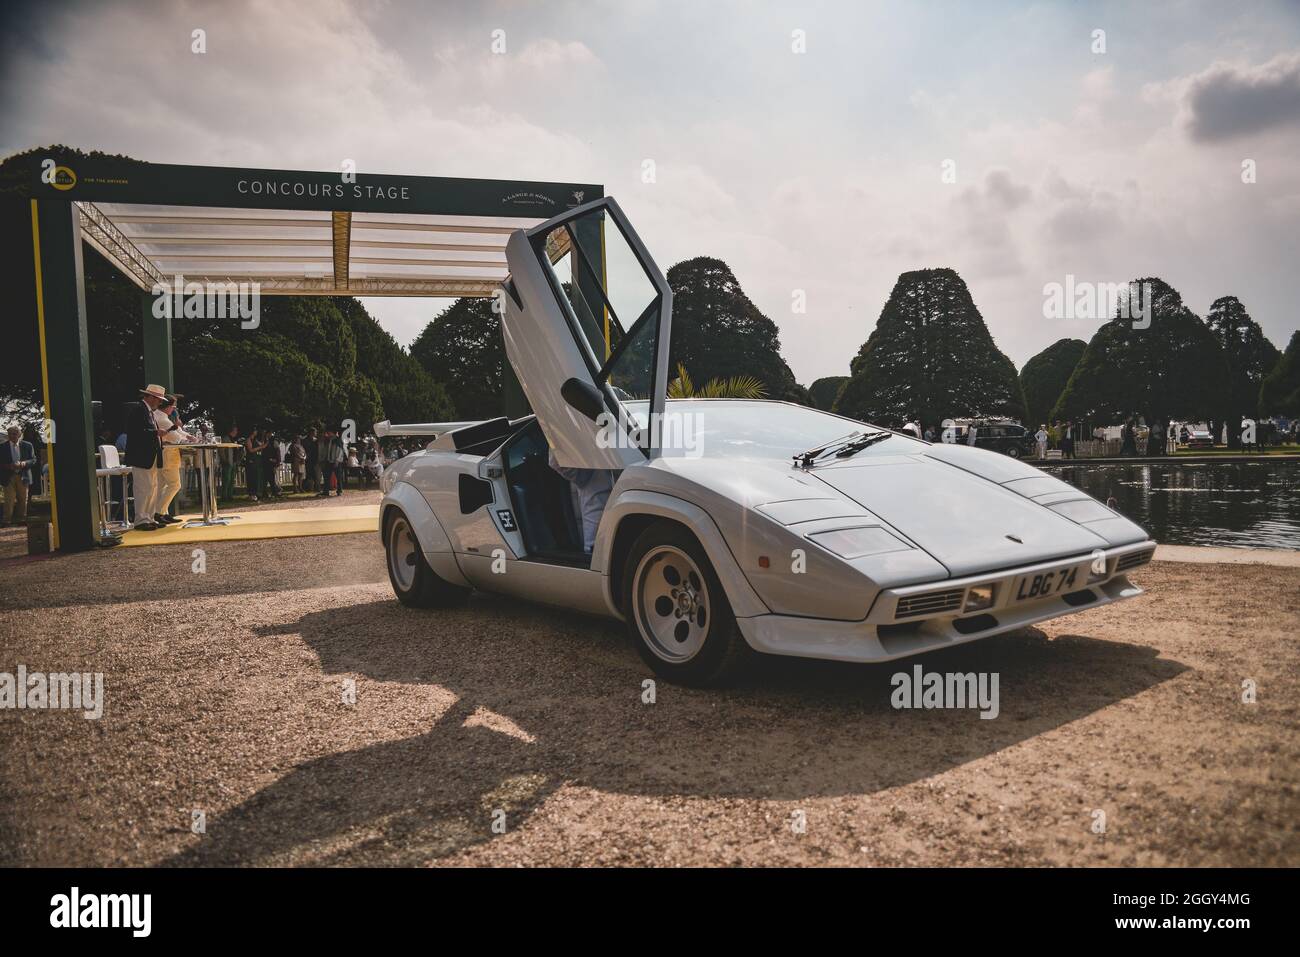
pixel 58 182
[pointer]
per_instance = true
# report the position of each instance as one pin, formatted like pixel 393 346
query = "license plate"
pixel 1038 585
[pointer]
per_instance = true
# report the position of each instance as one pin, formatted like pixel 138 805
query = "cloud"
pixel 1081 215
pixel 1226 101
pixel 1003 192
pixel 547 53
pixel 818 172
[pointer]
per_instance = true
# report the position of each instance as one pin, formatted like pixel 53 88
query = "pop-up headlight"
pixel 859 542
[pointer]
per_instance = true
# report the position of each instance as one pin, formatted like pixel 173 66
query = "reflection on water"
pixel 1240 504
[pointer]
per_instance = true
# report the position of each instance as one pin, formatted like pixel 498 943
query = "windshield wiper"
pixel 841 448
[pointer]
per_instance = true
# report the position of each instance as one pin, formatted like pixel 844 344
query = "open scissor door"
pixel 587 323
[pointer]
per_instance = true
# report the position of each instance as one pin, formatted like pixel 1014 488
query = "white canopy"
pixel 303 252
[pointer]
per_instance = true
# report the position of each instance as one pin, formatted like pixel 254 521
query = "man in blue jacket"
pixel 16 461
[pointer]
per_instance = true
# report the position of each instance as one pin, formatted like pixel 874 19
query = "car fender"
pixel 744 601
pixel 434 543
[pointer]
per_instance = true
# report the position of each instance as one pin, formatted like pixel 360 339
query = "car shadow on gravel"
pixel 790 730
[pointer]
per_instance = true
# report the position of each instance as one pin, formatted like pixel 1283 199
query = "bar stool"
pixel 110 468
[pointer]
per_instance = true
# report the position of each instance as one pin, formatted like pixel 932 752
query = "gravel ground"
pixel 224 694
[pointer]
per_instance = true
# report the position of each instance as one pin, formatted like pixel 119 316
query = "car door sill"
pixel 560 561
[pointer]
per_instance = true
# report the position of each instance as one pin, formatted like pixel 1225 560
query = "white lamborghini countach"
pixel 716 528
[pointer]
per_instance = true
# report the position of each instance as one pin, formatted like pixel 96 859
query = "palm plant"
pixel 736 387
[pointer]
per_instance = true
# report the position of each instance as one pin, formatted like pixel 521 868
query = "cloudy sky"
pixel 819 170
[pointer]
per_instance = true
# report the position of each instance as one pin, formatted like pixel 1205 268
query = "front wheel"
pixel 414 582
pixel 678 616
pixel 1014 452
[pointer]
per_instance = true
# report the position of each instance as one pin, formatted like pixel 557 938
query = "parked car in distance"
pixel 1005 437
pixel 1197 437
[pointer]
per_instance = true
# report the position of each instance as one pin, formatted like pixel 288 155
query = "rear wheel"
pixel 1014 452
pixel 414 582
pixel 678 617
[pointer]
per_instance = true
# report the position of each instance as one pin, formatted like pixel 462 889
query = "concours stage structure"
pixel 294 233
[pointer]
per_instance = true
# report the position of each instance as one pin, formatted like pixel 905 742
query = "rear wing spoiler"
pixel 386 428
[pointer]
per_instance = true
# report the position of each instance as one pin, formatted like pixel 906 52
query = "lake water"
pixel 1237 504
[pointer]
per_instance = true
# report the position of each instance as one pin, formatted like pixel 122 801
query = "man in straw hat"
pixel 144 455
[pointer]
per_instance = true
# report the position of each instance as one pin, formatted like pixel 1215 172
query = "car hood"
pixel 968 522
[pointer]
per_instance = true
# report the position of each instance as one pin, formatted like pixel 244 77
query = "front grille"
pixel 1133 560
pixel 930 603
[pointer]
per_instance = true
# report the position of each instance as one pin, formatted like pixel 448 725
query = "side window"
pixel 529 442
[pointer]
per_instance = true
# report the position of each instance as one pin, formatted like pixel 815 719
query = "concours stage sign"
pixel 57 174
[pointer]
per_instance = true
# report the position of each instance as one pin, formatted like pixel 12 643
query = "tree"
pixel 1165 365
pixel 822 393
pixel 1044 377
pixel 298 366
pixel 720 333
pixel 406 392
pixel 929 358
pixel 1248 357
pixel 462 349
pixel 1279 394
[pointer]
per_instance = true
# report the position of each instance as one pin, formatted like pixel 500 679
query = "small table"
pixel 206 453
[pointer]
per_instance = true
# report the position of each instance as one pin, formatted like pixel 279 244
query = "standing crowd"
pixel 317 461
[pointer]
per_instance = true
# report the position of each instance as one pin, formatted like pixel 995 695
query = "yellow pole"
pixel 604 282
pixel 45 373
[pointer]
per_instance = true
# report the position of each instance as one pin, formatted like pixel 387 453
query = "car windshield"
pixel 738 428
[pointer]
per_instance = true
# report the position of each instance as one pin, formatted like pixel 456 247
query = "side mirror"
pixel 584 397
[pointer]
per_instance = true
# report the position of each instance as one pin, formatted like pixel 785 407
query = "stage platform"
pixel 265 523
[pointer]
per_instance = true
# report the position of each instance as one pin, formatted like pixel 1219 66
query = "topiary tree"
pixel 1171 368
pixel 1044 377
pixel 929 358
pixel 721 334
pixel 1279 394
pixel 824 391
pixel 1248 357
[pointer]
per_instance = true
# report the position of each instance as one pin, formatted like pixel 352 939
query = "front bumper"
pixel 919 618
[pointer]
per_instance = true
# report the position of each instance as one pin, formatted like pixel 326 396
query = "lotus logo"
pixel 60 177
pixel 1016 539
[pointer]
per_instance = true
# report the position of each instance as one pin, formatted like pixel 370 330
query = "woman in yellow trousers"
pixel 171 433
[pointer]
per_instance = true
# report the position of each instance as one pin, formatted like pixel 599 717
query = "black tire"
pixel 1014 452
pixel 715 651
pixel 414 582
